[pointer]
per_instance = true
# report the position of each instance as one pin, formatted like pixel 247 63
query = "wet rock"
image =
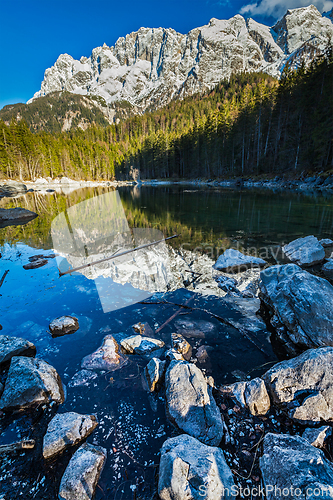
pixel 30 382
pixel 181 345
pixel 1 388
pixel 66 429
pixel 300 306
pixel 154 373
pixel 305 251
pixel 317 436
pixel 227 284
pixel 202 353
pixel 190 403
pixel 290 463
pixel 251 394
pixel 328 269
pixel 82 473
pixel 10 216
pixel 63 325
pixel 326 243
pixel 35 264
pixel 192 470
pixel 107 357
pixel 140 345
pixel 143 329
pixel 233 261
pixel 302 386
pixel 15 346
pixel 83 377
pixel 172 354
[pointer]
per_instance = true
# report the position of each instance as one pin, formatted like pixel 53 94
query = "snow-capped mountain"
pixel 152 66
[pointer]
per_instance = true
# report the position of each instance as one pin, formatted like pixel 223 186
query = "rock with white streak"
pixel 305 252
pixel 303 386
pixel 30 382
pixel 136 344
pixel 66 429
pixel 190 403
pixel 233 261
pixel 154 374
pixel 107 357
pixel 82 474
pixel 192 470
pixel 292 465
pixel 317 436
pixel 15 346
pixel 63 325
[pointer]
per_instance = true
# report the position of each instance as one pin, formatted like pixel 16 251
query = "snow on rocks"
pixel 190 403
pixel 136 344
pixel 300 306
pixel 305 251
pixel 63 325
pixel 291 464
pixel 154 374
pixel 66 429
pixel 302 386
pixel 251 394
pixel 232 261
pixel 30 382
pixel 82 473
pixel 15 346
pixel 107 357
pixel 317 436
pixel 190 469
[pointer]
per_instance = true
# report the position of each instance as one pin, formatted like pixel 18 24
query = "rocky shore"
pixel 254 437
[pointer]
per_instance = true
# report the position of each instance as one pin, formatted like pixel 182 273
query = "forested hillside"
pixel 250 125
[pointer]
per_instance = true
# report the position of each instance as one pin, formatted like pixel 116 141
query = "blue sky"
pixel 34 33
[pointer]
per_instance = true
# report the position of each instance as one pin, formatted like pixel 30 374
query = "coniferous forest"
pixel 248 126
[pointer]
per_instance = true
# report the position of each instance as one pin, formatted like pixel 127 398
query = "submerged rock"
pixel 300 306
pixel 192 470
pixel 190 403
pixel 305 251
pixel 302 386
pixel 136 344
pixel 35 264
pixel 251 394
pixel 328 269
pixel 106 357
pixel 83 377
pixel 317 436
pixel 82 473
pixel 232 261
pixel 291 464
pixel 66 429
pixel 63 325
pixel 30 382
pixel 154 374
pixel 15 346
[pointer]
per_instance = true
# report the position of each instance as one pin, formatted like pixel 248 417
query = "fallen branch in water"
pixel 4 277
pixel 173 316
pixel 216 316
pixel 28 444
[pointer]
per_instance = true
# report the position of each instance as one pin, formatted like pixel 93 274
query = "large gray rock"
pixel 303 386
pixel 30 382
pixel 305 251
pixel 291 465
pixel 82 473
pixel 15 346
pixel 251 394
pixel 190 403
pixel 63 325
pixel 107 357
pixel 154 374
pixel 300 306
pixel 136 344
pixel 232 261
pixel 192 470
pixel 10 215
pixel 66 429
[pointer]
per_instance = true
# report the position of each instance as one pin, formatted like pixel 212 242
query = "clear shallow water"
pixel 132 423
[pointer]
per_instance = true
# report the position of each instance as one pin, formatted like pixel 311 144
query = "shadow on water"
pixel 132 423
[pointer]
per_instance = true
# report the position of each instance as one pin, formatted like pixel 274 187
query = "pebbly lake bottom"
pixel 132 422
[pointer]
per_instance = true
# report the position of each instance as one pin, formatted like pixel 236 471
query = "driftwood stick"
pixel 116 255
pixel 4 277
pixel 28 444
pixel 173 316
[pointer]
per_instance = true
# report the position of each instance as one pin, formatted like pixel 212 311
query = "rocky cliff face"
pixel 150 67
